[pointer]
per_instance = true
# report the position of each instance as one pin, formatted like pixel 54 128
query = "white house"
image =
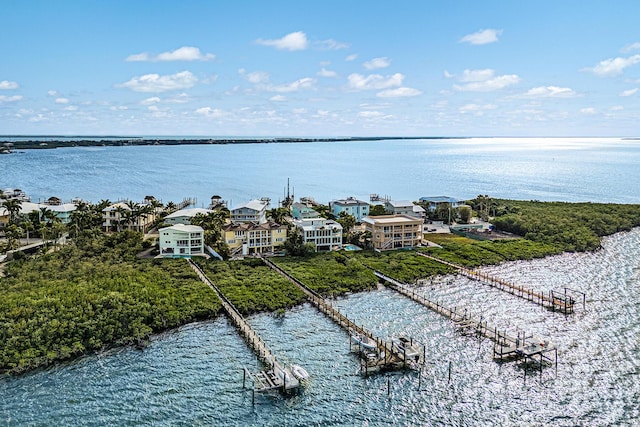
pixel 253 211
pixel 354 207
pixel 181 240
pixel 404 207
pixel 326 234
pixel 62 211
pixel 183 216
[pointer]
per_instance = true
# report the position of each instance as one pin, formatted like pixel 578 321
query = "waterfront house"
pixel 4 217
pixel 303 211
pixel 253 211
pixel 62 211
pixel 181 240
pixel 394 231
pixel 432 203
pixel 324 233
pixel 254 238
pixel 352 206
pixel 120 215
pixel 184 216
pixel 404 207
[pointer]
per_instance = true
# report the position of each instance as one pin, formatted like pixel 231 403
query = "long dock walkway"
pixel 388 355
pixel 556 301
pixel 507 347
pixel 277 377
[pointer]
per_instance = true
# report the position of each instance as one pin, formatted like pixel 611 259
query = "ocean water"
pixel 566 169
pixel 193 375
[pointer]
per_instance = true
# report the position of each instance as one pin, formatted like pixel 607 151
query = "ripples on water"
pixel 193 375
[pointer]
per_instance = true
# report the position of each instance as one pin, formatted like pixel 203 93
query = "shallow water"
pixel 193 375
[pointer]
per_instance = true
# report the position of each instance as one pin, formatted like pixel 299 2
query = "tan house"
pixel 394 231
pixel 254 238
pixel 119 216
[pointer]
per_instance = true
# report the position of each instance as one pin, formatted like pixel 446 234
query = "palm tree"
pixel 13 206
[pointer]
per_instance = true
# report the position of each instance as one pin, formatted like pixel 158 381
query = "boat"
pixel 406 347
pixel 299 372
pixel 363 340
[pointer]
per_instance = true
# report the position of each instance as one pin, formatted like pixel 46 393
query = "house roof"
pixel 28 207
pixel 390 219
pixel 184 228
pixel 349 201
pixel 256 205
pixel 439 199
pixel 189 213
pixel 248 226
pixel 400 203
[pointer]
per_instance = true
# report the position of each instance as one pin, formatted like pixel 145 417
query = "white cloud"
pixel 477 75
pixel 482 37
pixel 447 74
pixel 210 112
pixel 62 101
pixel 629 92
pixel 617 108
pixel 550 92
pixel 158 83
pixel 52 93
pixel 149 101
pixel 370 114
pixel 119 108
pixel 13 98
pixel 331 44
pixel 299 110
pixel 399 92
pixel 327 73
pixel 255 77
pixel 631 47
pixel 588 111
pixel 5 85
pixel 376 63
pixel 71 108
pixel 351 57
pixel 292 41
pixel 278 98
pixel 304 83
pixel 374 81
pixel 613 66
pixel 185 53
pixel 476 108
pixel 138 57
pixel 485 81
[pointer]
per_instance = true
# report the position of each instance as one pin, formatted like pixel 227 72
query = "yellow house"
pixel 4 217
pixel 251 238
pixel 394 231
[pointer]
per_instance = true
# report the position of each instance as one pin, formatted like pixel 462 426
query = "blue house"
pixel 357 208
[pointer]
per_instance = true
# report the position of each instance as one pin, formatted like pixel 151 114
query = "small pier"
pixel 506 347
pixel 383 355
pixel 277 377
pixel 563 302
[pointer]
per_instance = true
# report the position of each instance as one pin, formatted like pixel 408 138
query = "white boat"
pixel 363 340
pixel 299 372
pixel 405 347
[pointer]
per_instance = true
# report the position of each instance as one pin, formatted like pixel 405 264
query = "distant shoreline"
pixel 125 141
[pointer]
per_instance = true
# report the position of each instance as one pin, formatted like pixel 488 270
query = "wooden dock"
pixel 506 347
pixel 563 302
pixel 386 356
pixel 277 376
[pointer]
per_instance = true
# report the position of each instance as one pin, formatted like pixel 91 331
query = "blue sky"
pixel 320 68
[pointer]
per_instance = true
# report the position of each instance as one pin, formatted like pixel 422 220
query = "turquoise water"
pixel 351 247
pixel 193 375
